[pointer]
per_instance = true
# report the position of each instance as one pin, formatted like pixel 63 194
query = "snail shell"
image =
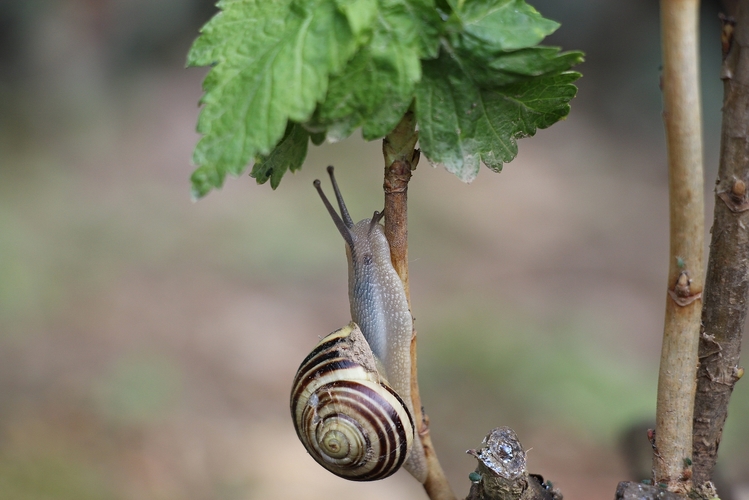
pixel 345 413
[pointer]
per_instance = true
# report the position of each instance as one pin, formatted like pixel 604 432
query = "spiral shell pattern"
pixel 345 413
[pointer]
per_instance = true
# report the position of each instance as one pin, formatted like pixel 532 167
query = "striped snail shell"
pixel 345 413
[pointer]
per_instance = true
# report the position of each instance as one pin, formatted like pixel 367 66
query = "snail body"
pixel 382 318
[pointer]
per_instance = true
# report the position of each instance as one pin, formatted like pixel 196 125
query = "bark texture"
pixel 501 473
pixel 400 160
pixel 682 119
pixel 638 491
pixel 727 281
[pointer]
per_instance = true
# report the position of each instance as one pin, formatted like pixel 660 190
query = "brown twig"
pixel 682 118
pixel 400 159
pixel 727 281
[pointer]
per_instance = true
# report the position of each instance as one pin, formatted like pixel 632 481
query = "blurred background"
pixel 148 343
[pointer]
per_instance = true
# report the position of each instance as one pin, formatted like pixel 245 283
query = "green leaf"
pixel 359 13
pixel 498 40
pixel 317 138
pixel 462 124
pixel 377 86
pixel 203 179
pixel 494 25
pixel 425 20
pixel 289 154
pixel 285 72
pixel 272 62
pixel 505 68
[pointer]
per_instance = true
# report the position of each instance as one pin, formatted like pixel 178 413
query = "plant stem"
pixel 727 281
pixel 682 118
pixel 400 160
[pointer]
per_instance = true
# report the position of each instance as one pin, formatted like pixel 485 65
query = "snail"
pixel 351 397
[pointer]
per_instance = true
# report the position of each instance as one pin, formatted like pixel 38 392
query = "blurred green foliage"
pixel 528 371
pixel 139 390
pixel 51 478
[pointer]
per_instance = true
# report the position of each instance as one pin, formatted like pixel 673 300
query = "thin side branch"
pixel 682 118
pixel 727 281
pixel 400 160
